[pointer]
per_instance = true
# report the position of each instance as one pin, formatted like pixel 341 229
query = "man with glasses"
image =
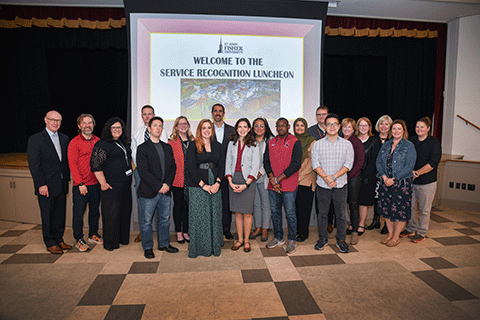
pixel 86 189
pixel 332 158
pixel 319 130
pixel 282 160
pixel 48 164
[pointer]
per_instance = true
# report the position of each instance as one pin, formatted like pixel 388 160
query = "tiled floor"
pixel 438 278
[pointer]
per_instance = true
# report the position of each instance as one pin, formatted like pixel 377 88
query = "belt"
pixel 206 165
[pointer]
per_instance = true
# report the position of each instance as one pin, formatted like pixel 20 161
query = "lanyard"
pixel 124 150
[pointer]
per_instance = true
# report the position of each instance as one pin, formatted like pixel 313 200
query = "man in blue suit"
pixel 48 163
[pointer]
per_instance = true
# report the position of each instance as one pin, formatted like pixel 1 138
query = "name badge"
pixel 129 172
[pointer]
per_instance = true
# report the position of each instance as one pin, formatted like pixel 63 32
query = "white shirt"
pixel 219 132
pixel 138 138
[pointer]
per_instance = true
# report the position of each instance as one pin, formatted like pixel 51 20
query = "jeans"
pixel 424 193
pixel 261 207
pixel 160 203
pixel 92 198
pixel 276 201
pixel 337 196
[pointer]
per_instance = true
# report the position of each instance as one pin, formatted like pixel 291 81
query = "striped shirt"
pixel 331 157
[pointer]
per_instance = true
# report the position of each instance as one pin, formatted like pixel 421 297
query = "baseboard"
pixel 458 204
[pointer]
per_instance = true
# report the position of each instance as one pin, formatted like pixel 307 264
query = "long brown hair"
pixel 404 126
pixel 198 135
pixel 175 135
pixel 249 138
pixel 357 133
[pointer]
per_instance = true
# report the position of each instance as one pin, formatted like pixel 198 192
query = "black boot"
pixel 375 223
pixel 384 229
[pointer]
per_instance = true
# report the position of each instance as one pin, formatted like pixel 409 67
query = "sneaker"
pixel 342 246
pixel 406 233
pixel 81 245
pixel 321 244
pixel 275 242
pixel 291 245
pixel 418 238
pixel 354 239
pixel 95 239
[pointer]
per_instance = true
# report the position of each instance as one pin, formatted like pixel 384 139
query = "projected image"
pixel 241 98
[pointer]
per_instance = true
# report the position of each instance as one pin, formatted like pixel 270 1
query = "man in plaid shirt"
pixel 332 158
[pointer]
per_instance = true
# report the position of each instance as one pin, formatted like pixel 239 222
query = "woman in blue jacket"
pixel 395 163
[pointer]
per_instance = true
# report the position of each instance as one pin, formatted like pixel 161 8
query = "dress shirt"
pixel 331 157
pixel 219 132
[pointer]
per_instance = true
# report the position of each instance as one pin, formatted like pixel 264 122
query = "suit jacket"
pixel 44 164
pixel 148 166
pixel 226 135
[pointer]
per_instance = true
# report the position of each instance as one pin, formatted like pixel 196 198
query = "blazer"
pixel 404 158
pixel 150 171
pixel 44 164
pixel 250 160
pixel 226 136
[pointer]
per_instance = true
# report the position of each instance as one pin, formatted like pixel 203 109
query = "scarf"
pixel 304 138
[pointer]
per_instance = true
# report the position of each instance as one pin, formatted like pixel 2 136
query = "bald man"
pixel 48 163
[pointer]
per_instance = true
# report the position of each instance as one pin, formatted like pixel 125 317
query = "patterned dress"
pixel 395 202
pixel 205 221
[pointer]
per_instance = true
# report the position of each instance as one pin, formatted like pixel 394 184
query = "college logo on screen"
pixel 230 47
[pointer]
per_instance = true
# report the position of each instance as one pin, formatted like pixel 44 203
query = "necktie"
pixel 57 146
pixel 146 135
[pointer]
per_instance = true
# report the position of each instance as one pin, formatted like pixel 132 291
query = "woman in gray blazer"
pixel 241 167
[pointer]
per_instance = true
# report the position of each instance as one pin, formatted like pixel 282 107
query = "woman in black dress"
pixel 111 162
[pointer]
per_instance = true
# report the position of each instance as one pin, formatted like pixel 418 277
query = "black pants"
pixel 116 214
pixel 92 198
pixel 353 191
pixel 53 212
pixel 226 213
pixel 303 205
pixel 180 210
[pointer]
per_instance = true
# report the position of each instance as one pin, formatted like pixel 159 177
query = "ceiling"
pixel 415 10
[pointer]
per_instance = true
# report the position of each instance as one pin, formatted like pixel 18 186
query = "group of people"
pixel 245 170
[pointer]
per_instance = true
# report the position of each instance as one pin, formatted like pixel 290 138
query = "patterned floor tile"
pixel 260 275
pixel 32 258
pixel 296 298
pixel 454 241
pixel 444 286
pixel 143 267
pixel 131 312
pixel 438 263
pixel 11 248
pixel 103 290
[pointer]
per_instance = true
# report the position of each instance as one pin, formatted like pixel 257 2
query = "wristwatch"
pixel 333 177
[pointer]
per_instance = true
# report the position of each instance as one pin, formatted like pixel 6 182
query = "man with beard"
pixel 86 189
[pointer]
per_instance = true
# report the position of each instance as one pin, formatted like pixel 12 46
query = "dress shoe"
pixel 255 234
pixel 64 246
pixel 55 250
pixel 108 248
pixel 138 238
pixel 375 223
pixel 301 238
pixel 384 229
pixel 228 235
pixel 264 237
pixel 149 254
pixel 169 249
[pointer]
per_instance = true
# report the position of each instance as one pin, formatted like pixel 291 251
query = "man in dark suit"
pixel 156 167
pixel 48 163
pixel 223 132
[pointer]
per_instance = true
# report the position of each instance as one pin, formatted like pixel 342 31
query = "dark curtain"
pixel 73 71
pixel 370 77
pixel 86 71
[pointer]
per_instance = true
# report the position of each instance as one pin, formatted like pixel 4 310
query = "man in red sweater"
pixel 86 189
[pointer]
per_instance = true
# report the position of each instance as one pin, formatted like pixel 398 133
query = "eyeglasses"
pixel 259 126
pixel 322 114
pixel 280 125
pixel 54 120
pixel 116 128
pixel 334 124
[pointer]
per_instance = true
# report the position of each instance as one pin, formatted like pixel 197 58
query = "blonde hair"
pixel 347 121
pixel 382 119
pixel 174 134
